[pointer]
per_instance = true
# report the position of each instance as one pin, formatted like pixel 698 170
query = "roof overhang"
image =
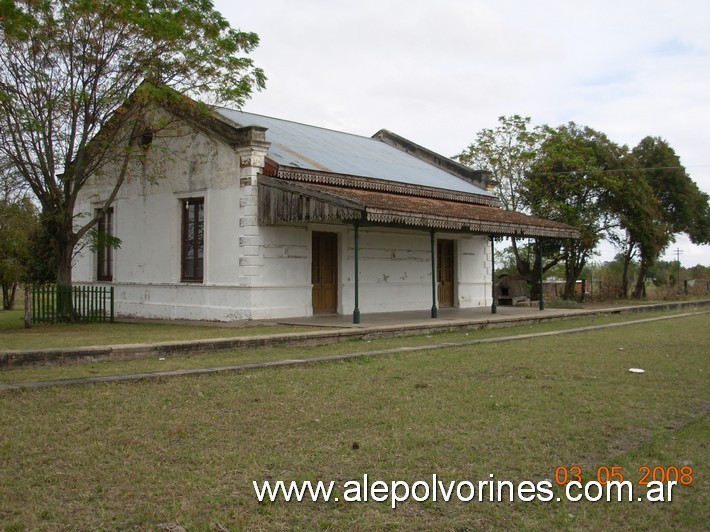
pixel 288 202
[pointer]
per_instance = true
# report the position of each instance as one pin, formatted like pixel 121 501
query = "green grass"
pixel 186 450
pixel 166 362
pixel 13 335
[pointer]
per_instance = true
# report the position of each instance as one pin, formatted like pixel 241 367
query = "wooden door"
pixel 324 273
pixel 445 272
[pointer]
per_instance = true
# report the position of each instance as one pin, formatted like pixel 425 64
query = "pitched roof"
pixel 314 148
pixel 324 175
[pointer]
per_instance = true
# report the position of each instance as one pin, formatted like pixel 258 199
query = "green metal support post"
pixel 356 312
pixel 494 291
pixel 434 310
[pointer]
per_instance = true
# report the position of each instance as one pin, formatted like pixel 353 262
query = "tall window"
pixel 104 270
pixel 193 239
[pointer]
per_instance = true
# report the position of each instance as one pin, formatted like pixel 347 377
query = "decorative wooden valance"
pixel 287 202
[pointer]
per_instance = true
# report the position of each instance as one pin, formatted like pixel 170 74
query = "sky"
pixel 437 72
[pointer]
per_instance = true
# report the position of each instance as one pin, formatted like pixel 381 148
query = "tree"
pixel 573 182
pixel 505 261
pixel 619 272
pixel 699 271
pixel 673 204
pixel 12 187
pixel 634 205
pixel 76 78
pixel 18 222
pixel 508 153
pixel 662 272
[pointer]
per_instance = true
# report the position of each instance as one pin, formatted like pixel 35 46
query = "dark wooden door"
pixel 445 272
pixel 324 273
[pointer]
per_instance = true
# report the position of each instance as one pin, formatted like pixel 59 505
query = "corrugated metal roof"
pixel 316 148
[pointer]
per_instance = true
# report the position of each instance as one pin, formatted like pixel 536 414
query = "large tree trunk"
pixel 65 254
pixel 8 296
pixel 640 289
pixel 574 264
pixel 570 292
pixel 531 272
pixel 64 276
pixel 28 308
pixel 64 242
pixel 625 276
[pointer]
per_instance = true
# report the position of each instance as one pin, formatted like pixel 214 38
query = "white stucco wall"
pixel 253 271
pixel 395 270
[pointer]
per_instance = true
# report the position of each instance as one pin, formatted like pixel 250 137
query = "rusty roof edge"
pixel 486 227
pixel 317 194
pixel 382 185
pixel 527 227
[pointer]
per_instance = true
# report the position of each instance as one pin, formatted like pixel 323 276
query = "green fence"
pixel 55 304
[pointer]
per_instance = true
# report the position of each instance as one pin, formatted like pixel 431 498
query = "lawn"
pixel 186 450
pixel 13 335
pixel 168 362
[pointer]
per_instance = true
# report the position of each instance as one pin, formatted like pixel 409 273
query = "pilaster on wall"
pixel 488 276
pixel 251 150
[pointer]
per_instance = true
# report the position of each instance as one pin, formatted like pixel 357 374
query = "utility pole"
pixel 678 252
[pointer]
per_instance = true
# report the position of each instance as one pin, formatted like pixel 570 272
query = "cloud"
pixel 438 72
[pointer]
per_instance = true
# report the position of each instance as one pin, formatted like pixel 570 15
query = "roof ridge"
pixel 478 178
pixel 296 122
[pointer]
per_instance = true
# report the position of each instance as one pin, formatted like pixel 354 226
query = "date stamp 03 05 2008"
pixel 682 475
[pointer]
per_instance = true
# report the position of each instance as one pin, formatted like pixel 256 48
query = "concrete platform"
pixel 423 317
pixel 695 311
pixel 326 329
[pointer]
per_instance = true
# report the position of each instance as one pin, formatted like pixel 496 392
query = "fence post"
pixel 28 308
pixel 112 309
pixel 53 304
pixel 59 303
pixel 34 302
